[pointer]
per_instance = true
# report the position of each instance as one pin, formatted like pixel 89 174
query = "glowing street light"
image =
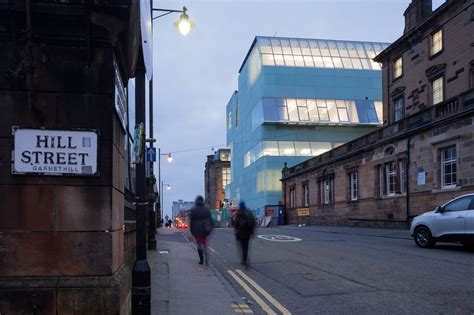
pixel 170 158
pixel 184 24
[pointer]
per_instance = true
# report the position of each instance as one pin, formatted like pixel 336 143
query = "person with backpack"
pixel 201 226
pixel 244 224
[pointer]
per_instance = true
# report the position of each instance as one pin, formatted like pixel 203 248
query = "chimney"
pixel 417 12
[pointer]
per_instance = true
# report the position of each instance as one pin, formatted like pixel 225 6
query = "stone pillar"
pixel 61 237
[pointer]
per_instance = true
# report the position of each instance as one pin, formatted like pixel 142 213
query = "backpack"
pixel 246 221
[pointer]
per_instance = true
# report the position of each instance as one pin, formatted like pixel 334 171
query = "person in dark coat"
pixel 244 224
pixel 201 226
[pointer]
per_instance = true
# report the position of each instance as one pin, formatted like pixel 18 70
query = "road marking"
pixel 265 294
pixel 279 238
pixel 212 249
pixel 252 293
pixel 241 308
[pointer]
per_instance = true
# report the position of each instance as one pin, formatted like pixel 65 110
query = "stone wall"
pixel 61 237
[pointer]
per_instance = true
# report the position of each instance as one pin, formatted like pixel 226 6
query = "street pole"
pixel 161 196
pixel 141 269
pixel 160 184
pixel 151 212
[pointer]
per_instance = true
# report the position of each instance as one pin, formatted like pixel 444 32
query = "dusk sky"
pixel 195 76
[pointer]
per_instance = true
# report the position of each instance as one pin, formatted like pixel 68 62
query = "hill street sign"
pixel 55 152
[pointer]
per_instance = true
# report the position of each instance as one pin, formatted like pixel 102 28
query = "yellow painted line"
pixel 265 294
pixel 252 293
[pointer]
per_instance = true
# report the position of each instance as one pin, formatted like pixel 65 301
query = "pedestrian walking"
pixel 170 222
pixel 201 227
pixel 244 224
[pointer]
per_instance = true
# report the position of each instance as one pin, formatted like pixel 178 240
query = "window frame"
pixel 400 110
pixel 441 77
pixel 390 174
pixel 395 67
pixel 354 185
pixel 292 194
pixel 431 42
pixel 452 161
pixel 305 194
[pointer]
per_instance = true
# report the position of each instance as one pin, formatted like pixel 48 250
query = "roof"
pixel 435 15
pixel 277 48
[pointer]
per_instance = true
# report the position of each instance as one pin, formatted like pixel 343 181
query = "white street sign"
pixel 55 152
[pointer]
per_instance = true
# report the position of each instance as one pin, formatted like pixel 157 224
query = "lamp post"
pixel 168 187
pixel 184 25
pixel 170 159
pixel 141 283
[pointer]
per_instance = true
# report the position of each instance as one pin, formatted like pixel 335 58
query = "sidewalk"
pixel 180 285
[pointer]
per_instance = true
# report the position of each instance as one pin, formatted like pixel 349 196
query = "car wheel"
pixel 423 237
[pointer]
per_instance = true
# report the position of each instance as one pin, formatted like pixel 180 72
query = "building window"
pixel 403 176
pixel 305 195
pixel 436 42
pixel 326 191
pixel 398 68
pixel 354 185
pixel 236 116
pixel 391 178
pixel 226 179
pixel 437 89
pixel 399 109
pixel 292 197
pixel 448 167
pixel 229 120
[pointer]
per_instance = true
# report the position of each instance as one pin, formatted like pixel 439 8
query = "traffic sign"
pixel 150 154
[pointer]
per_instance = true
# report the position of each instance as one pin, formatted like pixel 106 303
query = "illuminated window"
pixel 267 60
pixel 342 111
pixel 226 179
pixel 448 167
pixel 437 90
pixel 287 148
pixel 436 42
pixel 318 53
pixel 398 68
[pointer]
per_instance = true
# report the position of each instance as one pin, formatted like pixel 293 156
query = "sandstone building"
pixel 216 177
pixel 424 154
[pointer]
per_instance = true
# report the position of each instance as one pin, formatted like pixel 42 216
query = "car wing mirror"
pixel 439 209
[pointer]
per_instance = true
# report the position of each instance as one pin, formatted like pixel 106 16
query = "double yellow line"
pixel 267 309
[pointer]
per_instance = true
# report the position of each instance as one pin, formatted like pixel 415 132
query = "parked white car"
pixel 451 222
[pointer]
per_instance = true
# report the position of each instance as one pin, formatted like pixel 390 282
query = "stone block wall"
pixel 61 237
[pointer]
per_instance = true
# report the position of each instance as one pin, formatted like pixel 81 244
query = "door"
pixel 451 223
pixel 470 221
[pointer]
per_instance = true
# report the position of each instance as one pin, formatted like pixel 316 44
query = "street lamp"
pixel 170 158
pixel 184 25
pixel 141 280
pixel 168 187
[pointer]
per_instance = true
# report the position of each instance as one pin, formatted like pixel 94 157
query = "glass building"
pixel 297 98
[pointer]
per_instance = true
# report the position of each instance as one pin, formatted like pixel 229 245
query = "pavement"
pixel 181 286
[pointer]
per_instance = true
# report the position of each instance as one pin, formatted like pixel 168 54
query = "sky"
pixel 195 76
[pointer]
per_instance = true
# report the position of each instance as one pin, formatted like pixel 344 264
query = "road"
pixel 335 270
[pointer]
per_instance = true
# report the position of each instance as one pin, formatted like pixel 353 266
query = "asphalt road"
pixel 334 270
